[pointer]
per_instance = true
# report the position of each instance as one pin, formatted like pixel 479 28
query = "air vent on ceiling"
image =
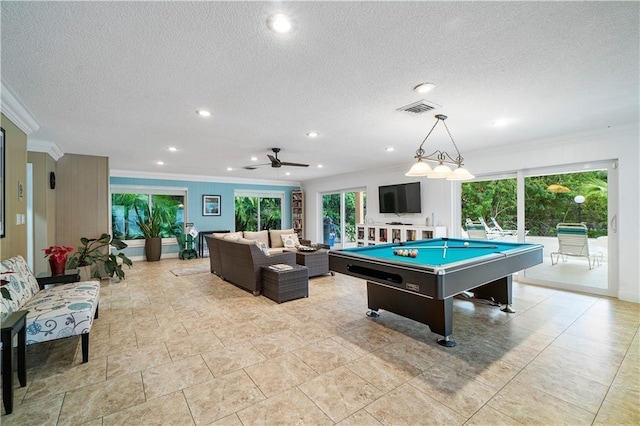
pixel 419 107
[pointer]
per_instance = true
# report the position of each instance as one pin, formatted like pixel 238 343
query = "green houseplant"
pixel 151 223
pixel 93 254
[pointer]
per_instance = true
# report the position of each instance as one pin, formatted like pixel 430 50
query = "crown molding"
pixel 16 111
pixel 198 178
pixel 51 148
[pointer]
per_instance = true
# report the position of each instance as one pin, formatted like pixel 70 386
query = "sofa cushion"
pixel 262 236
pixel 232 236
pixel 290 240
pixel 62 311
pixel 275 237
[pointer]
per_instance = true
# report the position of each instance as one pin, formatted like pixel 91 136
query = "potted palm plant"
pixel 92 257
pixel 151 223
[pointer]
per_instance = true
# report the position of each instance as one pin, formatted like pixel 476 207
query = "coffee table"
pixel 316 261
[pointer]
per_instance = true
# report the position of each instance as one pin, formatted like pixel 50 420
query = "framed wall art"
pixel 211 205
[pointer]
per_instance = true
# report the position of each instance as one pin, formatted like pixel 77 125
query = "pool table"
pixel 422 287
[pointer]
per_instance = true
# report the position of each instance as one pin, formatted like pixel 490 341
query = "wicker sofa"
pixel 240 261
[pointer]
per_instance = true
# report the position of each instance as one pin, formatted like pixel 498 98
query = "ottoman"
pixel 284 285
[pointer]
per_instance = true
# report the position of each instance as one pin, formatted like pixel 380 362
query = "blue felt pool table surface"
pixel 431 252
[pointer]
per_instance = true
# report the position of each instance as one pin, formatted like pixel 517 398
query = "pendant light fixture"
pixel 444 160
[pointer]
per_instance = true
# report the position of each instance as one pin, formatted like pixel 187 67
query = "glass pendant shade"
pixel 419 169
pixel 460 174
pixel 441 171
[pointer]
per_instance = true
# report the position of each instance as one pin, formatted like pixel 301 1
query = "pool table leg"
pixel 500 290
pixel 437 314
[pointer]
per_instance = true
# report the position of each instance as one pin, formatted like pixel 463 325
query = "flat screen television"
pixel 400 198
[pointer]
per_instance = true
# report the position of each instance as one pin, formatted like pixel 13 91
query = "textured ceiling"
pixel 123 79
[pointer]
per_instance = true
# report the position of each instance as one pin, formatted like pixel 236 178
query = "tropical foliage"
pixel 544 207
pixel 161 215
pixel 94 251
pixel 257 213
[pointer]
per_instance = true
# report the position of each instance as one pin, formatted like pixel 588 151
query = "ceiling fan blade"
pixel 255 166
pixel 284 163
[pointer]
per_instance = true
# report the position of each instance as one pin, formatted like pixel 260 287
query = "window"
pixel 125 200
pixel 255 211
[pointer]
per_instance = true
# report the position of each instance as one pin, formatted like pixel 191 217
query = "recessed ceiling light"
pixel 279 23
pixel 160 163
pixel 320 166
pixel 288 173
pixel 254 158
pixel 203 113
pixel 424 87
pixel 229 169
pixel 312 134
pixel 173 149
pixel 390 149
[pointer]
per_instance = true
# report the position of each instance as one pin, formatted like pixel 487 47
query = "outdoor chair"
pixel 476 230
pixel 499 229
pixel 572 241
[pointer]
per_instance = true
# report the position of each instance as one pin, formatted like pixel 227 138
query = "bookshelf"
pixel 297 212
pixel 368 235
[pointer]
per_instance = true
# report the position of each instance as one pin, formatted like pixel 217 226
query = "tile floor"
pixel 194 349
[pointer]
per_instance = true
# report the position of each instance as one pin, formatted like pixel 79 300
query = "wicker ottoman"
pixel 282 286
pixel 316 261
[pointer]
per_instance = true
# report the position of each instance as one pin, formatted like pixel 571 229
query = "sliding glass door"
pixel 567 210
pixel 530 205
pixel 341 211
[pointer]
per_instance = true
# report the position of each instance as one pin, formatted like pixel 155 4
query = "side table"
pixel 14 323
pixel 69 276
pixel 282 286
pixel 316 261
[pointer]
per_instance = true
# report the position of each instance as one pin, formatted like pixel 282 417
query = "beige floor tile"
pixel 222 396
pixel 290 407
pixel 279 374
pixel 488 416
pixel 601 369
pixel 278 343
pixel 230 420
pixel 407 405
pixel 457 391
pixel 60 381
pixel 231 358
pixel 529 406
pixel 186 346
pixel 171 377
pixel 575 389
pixel 135 359
pixel 167 410
pixel 340 393
pixel 325 355
pixel 382 370
pixel 99 400
pixel 359 419
pixel 43 411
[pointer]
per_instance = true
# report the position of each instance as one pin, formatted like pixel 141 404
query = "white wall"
pixel 440 196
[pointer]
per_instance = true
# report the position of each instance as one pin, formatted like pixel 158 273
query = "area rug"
pixel 190 271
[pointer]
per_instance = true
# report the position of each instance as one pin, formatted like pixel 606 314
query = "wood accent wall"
pixel 82 198
pixel 15 143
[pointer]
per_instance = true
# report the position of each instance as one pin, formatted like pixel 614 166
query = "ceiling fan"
pixel 275 162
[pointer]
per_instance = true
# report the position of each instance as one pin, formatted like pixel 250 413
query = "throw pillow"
pixel 274 236
pixel 264 247
pixel 262 236
pixel 290 241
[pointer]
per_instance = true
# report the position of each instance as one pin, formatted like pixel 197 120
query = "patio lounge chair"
pixel 499 229
pixel 572 241
pixel 476 230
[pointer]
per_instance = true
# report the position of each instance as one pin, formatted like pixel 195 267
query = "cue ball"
pixel 466 243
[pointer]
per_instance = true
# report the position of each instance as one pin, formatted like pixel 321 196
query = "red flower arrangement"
pixel 58 253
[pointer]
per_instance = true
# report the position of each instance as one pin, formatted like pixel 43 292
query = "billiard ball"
pixel 466 243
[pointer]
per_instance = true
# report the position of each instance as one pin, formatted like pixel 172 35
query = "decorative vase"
pixel 57 267
pixel 153 249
